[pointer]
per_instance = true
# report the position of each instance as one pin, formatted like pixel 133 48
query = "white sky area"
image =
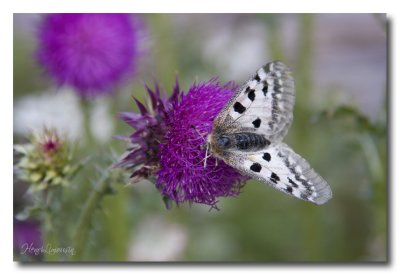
pixel 237 53
pixel 156 239
pixel 349 57
pixel 61 110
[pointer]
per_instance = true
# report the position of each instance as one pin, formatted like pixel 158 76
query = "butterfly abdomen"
pixel 250 141
pixel 241 141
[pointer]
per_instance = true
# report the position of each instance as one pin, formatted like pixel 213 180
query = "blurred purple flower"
pixel 26 234
pixel 169 143
pixel 90 52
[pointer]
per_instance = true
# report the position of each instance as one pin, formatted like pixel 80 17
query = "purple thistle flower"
pixel 141 158
pixel 89 52
pixel 170 142
pixel 27 234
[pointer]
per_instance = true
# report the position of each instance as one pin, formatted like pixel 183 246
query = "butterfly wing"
pixel 280 167
pixel 263 105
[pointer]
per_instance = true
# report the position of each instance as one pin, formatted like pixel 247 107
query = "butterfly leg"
pixel 207 156
pixel 198 132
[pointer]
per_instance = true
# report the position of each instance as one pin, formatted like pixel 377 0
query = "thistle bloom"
pixel 46 161
pixel 170 140
pixel 26 234
pixel 142 155
pixel 90 52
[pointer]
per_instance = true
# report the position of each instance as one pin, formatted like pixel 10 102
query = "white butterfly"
pixel 247 135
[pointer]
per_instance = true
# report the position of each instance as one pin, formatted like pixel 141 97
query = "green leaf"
pixel 348 112
pixel 51 174
pixel 35 177
pixel 29 212
pixel 167 202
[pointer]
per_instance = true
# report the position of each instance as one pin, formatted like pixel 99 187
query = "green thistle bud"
pixel 46 161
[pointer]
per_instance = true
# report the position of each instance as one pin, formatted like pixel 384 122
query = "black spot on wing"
pixel 267 156
pixel 265 89
pixel 289 189
pixel 274 178
pixel 239 108
pixel 251 95
pixel 256 167
pixel 257 78
pixel 257 123
pixel 293 183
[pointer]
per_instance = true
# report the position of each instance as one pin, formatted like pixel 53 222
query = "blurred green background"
pixel 340 119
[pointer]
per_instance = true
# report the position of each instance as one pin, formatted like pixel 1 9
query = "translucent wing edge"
pixel 323 192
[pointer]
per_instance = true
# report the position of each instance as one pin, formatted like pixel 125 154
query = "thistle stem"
pixel 49 228
pixel 84 221
pixel 49 236
pixel 86 108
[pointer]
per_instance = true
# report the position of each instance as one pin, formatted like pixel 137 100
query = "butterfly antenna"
pixel 205 142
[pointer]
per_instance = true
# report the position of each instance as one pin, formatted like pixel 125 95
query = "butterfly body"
pixel 244 141
pixel 247 135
